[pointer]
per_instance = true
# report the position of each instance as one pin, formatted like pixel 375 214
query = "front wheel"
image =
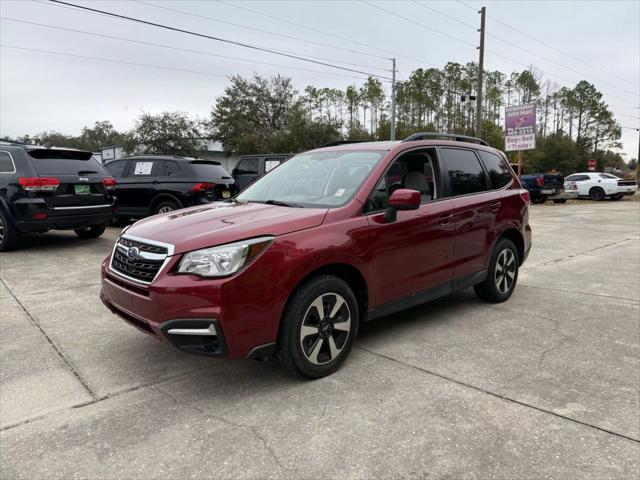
pixel 319 327
pixel 94 231
pixel 502 275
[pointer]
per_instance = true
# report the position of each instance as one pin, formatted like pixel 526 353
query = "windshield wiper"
pixel 283 204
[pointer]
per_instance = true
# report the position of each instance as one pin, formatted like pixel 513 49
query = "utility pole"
pixel 393 100
pixel 480 72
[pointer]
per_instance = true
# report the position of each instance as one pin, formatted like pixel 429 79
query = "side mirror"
pixel 234 171
pixel 401 199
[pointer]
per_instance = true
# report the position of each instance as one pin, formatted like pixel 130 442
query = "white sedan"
pixel 597 185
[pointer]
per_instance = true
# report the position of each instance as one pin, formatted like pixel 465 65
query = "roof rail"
pixel 449 136
pixel 342 142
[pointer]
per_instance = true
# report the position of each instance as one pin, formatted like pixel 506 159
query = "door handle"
pixel 446 218
pixel 494 207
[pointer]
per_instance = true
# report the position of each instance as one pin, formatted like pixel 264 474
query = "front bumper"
pixel 244 310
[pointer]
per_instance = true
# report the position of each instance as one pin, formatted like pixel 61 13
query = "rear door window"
pixel 499 171
pixel 6 163
pixel 64 162
pixel 463 171
pixel 143 168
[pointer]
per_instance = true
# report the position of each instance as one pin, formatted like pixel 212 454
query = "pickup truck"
pixel 545 186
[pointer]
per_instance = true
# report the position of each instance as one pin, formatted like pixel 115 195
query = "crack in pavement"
pixel 70 366
pixel 497 395
pixel 95 401
pixel 226 421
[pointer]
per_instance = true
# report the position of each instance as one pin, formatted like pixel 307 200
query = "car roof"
pixel 161 157
pixel 390 145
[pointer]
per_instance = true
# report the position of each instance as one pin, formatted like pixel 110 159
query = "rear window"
pixel 64 162
pixel 209 170
pixel 499 172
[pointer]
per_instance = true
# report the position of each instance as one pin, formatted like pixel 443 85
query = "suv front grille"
pixel 137 260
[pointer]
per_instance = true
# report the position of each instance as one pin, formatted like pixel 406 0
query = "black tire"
pixel 328 340
pixel 596 194
pixel 94 231
pixel 498 286
pixel 538 200
pixel 617 196
pixel 9 235
pixel 561 200
pixel 165 206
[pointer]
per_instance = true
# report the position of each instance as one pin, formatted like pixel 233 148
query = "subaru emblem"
pixel 133 253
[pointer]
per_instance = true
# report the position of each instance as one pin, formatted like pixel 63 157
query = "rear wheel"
pixel 9 236
pixel 319 327
pixel 94 231
pixel 165 207
pixel 502 275
pixel 561 200
pixel 596 194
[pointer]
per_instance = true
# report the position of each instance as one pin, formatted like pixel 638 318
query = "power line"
pixel 306 27
pixel 467 43
pixel 410 20
pixel 162 67
pixel 290 37
pixel 548 45
pixel 508 42
pixel 101 35
pixel 218 39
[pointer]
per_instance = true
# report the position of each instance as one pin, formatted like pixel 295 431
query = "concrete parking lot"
pixel 545 385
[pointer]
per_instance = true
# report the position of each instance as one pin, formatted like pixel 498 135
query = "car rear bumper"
pixel 33 215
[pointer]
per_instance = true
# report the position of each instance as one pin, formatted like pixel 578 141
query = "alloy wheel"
pixel 505 273
pixel 325 328
pixel 165 209
pixel 1 228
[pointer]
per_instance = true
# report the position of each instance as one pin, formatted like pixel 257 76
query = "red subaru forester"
pixel 332 238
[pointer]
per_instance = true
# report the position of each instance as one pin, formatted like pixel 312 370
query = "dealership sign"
pixel 520 127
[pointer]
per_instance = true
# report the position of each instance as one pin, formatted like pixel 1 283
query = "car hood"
pixel 221 222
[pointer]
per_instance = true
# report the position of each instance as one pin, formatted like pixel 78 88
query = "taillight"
pixel 39 184
pixel 109 183
pixel 540 180
pixel 203 186
pixel 526 196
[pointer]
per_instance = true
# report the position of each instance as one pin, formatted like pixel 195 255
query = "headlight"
pixel 223 260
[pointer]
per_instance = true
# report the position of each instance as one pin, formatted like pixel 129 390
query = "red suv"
pixel 332 238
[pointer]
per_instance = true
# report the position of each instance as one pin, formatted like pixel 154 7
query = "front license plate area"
pixel 226 194
pixel 82 189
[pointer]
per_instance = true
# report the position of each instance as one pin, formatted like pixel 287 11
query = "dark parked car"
pixel 151 184
pixel 545 186
pixel 49 188
pixel 334 237
pixel 251 167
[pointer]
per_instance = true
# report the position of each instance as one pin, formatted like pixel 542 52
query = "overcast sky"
pixel 43 91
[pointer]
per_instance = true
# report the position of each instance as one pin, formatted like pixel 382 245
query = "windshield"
pixel 322 179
